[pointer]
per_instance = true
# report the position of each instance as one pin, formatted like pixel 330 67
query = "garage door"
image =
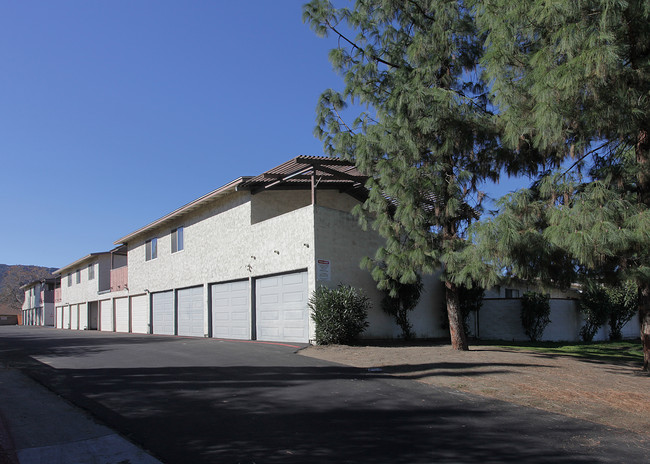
pixel 59 317
pixel 163 313
pixel 106 315
pixel 231 310
pixel 281 308
pixel 139 314
pixel 83 316
pixel 66 317
pixel 74 317
pixel 121 314
pixel 190 312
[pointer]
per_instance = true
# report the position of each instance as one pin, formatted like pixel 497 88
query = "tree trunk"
pixel 643 191
pixel 456 330
pixel 644 323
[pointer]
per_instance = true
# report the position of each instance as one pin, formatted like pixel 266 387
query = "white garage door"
pixel 106 315
pixel 163 313
pixel 281 308
pixel 231 310
pixel 59 317
pixel 74 317
pixel 190 312
pixel 66 317
pixel 83 316
pixel 139 314
pixel 121 314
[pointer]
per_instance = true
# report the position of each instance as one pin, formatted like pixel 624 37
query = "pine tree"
pixel 426 138
pixel 572 80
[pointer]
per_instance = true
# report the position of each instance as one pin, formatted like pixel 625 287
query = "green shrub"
pixel 594 306
pixel 535 312
pixel 624 304
pixel 613 304
pixel 339 313
pixel 407 298
pixel 470 301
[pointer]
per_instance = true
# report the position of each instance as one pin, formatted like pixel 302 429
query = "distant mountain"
pixel 13 277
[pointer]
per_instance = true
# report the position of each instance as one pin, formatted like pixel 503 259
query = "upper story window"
pixel 78 276
pixel 91 271
pixel 69 280
pixel 177 239
pixel 512 293
pixel 151 249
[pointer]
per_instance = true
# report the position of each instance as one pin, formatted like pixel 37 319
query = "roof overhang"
pixel 39 281
pixel 308 172
pixel 79 262
pixel 301 172
pixel 183 210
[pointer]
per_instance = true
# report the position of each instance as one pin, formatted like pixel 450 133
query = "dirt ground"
pixel 616 395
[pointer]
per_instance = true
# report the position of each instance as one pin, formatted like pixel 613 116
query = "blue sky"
pixel 114 113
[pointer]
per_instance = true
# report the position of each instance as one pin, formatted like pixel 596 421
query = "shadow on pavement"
pixel 238 403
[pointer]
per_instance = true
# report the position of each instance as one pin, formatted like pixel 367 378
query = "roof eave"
pixel 78 262
pixel 232 186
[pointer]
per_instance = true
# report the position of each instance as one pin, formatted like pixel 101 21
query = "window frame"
pixel 78 276
pixel 151 249
pixel 178 239
pixel 91 271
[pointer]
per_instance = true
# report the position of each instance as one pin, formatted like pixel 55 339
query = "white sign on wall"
pixel 323 270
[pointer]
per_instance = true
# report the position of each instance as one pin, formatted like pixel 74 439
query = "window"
pixel 91 271
pixel 78 276
pixel 512 293
pixel 151 249
pixel 177 239
pixel 69 280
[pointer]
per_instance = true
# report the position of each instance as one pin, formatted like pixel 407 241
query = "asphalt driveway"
pixel 213 401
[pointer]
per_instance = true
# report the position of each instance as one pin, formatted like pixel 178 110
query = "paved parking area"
pixel 205 400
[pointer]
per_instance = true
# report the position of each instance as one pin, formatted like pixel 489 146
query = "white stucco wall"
pixel 220 244
pixel 273 203
pixel 84 291
pixel 341 241
pixel 32 297
pixel 427 317
pixel 500 319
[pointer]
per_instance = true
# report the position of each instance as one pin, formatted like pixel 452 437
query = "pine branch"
pixel 354 45
pixel 586 155
pixel 421 10
pixel 340 118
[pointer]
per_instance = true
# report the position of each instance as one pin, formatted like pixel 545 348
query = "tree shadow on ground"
pixel 205 401
pixel 310 414
pixel 614 363
pixel 455 369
